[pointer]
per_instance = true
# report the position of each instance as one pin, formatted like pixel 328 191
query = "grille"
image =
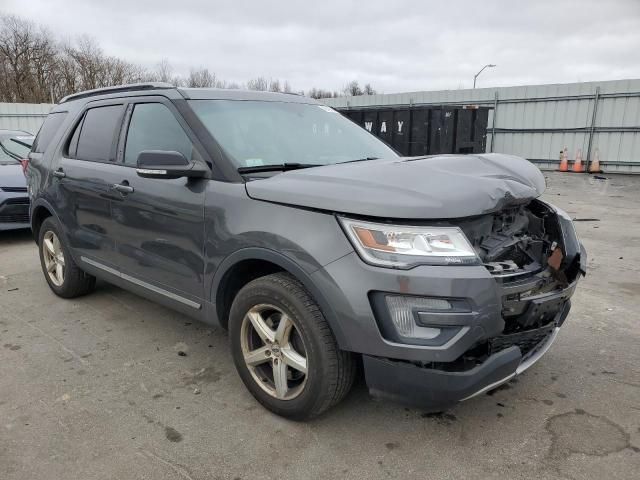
pixel 526 340
pixel 16 201
pixel 14 189
pixel 14 218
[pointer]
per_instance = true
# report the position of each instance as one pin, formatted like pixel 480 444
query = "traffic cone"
pixel 577 164
pixel 595 163
pixel 564 162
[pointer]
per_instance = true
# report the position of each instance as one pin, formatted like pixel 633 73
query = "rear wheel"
pixel 62 274
pixel 284 349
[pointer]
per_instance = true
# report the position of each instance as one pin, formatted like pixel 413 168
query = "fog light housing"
pixel 402 311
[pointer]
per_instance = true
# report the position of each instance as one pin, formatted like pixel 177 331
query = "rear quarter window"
pixel 47 131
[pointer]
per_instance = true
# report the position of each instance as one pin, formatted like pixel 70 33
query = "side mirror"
pixel 167 164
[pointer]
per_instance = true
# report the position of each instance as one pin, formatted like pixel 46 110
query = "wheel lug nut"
pixel 268 353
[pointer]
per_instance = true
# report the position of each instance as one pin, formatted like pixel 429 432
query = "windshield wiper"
pixel 282 167
pixel 361 159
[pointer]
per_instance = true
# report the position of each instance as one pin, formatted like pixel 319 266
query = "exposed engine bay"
pixel 519 241
pixel 522 247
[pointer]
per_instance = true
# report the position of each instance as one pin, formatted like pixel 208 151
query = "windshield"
pixel 256 133
pixel 14 149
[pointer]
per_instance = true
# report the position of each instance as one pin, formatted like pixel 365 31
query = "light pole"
pixel 490 65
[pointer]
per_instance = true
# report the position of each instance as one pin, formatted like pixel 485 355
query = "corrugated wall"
pixel 23 116
pixel 537 121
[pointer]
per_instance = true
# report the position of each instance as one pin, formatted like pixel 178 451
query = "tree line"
pixel 36 67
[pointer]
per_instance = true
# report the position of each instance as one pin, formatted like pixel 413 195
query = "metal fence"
pixel 538 121
pixel 23 116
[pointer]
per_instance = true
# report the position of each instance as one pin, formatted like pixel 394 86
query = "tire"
pixel 62 274
pixel 279 299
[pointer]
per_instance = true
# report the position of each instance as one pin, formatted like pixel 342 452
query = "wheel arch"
pixel 224 287
pixel 40 211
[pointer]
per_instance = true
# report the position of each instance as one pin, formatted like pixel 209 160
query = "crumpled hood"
pixel 441 186
pixel 12 176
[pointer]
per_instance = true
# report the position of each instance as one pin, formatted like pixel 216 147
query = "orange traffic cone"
pixel 577 164
pixel 595 163
pixel 564 162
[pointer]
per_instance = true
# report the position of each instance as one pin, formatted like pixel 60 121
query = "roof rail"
pixel 131 87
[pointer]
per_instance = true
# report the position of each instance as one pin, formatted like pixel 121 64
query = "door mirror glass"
pixel 166 164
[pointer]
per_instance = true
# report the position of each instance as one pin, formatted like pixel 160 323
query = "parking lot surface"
pixel 94 387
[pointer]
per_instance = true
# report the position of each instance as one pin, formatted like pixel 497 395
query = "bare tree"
pixel 352 89
pixel 259 83
pixel 274 85
pixel 164 71
pixel 320 93
pixel 90 67
pixel 201 78
pixel 368 90
pixel 27 61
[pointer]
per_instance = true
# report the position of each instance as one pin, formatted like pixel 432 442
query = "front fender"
pixel 287 264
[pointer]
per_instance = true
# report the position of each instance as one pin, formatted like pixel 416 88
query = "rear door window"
pixel 47 131
pixel 154 127
pixel 96 140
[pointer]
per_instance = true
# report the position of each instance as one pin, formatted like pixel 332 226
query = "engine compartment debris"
pixel 522 247
pixel 523 240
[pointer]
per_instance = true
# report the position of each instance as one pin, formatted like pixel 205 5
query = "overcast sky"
pixel 394 45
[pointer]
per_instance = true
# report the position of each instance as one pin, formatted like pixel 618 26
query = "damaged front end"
pixel 525 241
pixel 535 258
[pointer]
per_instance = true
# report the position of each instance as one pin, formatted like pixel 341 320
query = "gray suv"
pixel 321 250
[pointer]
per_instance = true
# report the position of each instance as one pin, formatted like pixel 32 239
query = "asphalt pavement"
pixel 94 388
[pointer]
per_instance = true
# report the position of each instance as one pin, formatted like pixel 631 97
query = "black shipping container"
pixel 414 131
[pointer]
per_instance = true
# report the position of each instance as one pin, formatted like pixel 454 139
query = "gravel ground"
pixel 95 388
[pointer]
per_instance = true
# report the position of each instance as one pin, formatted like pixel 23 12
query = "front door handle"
pixel 122 187
pixel 59 173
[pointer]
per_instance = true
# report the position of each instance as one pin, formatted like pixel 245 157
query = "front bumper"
pixel 14 210
pixel 433 389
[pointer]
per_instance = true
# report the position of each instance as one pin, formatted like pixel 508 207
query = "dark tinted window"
pixel 97 135
pixel 47 131
pixel 153 127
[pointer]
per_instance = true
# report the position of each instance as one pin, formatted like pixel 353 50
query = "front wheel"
pixel 284 350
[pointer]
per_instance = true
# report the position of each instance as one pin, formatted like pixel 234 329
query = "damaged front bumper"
pixel 436 389
pixel 533 307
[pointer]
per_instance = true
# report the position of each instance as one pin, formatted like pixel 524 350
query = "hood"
pixel 11 176
pixel 441 186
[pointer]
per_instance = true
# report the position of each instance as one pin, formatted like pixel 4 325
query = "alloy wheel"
pixel 274 351
pixel 53 258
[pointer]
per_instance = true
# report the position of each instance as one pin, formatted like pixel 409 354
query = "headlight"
pixel 399 246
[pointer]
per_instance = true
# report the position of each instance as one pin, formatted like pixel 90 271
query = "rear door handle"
pixel 59 173
pixel 122 188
